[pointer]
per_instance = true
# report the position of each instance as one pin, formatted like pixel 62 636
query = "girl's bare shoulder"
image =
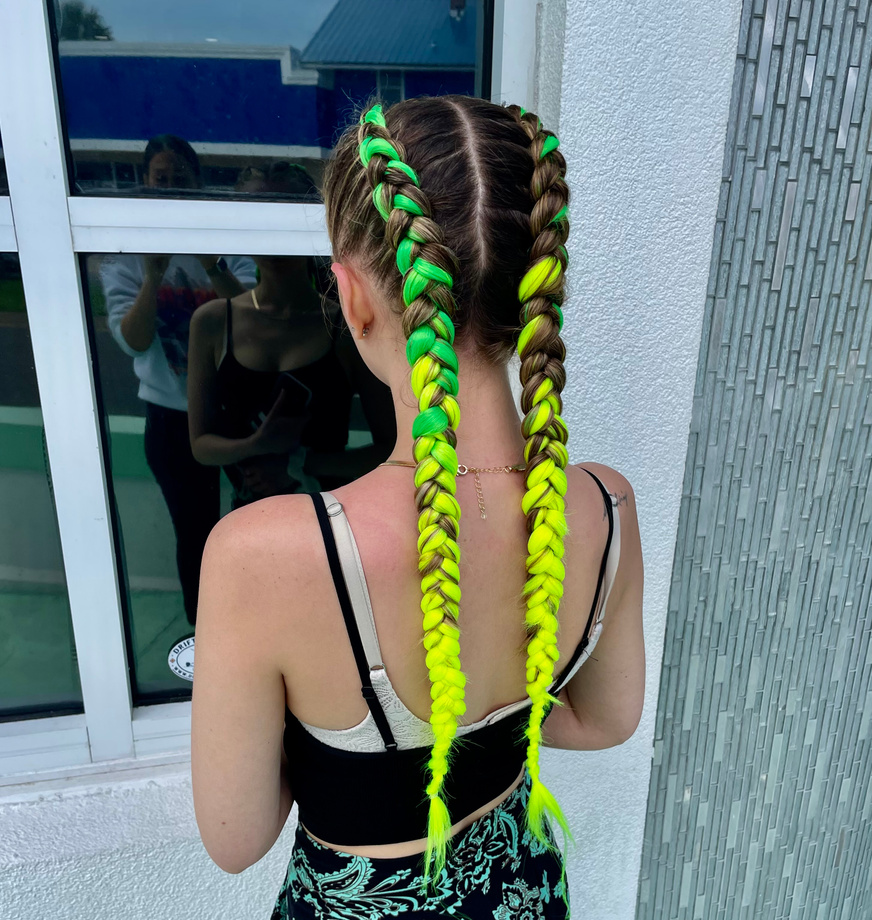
pixel 209 318
pixel 615 482
pixel 267 551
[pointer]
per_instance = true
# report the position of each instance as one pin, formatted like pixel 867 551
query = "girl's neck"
pixel 489 433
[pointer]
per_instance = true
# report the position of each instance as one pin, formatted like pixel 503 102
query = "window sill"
pixel 41 756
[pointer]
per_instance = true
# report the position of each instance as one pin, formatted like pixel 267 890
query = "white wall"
pixel 643 112
pixel 106 848
pixel 642 109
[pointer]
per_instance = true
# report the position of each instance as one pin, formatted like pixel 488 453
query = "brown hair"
pixel 470 200
pixel 475 166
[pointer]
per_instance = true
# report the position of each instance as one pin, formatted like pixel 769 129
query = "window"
pixel 169 490
pixel 39 675
pixel 253 107
pixel 238 88
pixel 391 86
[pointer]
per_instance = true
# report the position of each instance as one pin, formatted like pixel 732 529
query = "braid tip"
pixel 541 806
pixel 438 829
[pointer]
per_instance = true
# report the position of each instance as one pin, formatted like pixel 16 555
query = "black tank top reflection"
pixel 244 393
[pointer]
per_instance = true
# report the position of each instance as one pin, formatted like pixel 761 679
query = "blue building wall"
pixel 221 100
pixel 212 101
pixel 440 83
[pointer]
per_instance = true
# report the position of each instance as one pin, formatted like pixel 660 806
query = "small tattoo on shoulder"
pixel 620 499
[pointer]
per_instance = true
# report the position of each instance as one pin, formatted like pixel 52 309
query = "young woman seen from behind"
pixel 463 584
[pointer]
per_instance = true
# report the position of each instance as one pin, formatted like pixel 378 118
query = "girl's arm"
pixel 603 701
pixel 210 449
pixel 242 797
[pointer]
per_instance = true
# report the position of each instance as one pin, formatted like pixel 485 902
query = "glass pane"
pixel 38 671
pixel 175 97
pixel 213 402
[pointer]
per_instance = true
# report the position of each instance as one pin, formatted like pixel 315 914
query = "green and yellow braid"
pixel 427 267
pixel 543 377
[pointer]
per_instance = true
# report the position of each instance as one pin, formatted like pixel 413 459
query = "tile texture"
pixel 760 802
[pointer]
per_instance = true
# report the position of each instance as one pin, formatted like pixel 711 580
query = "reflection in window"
pixel 247 83
pixel 38 671
pixel 225 380
pixel 391 86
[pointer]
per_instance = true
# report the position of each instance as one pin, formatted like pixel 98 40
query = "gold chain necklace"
pixel 462 470
pixel 258 307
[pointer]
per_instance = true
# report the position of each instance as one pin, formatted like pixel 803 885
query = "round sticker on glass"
pixel 181 658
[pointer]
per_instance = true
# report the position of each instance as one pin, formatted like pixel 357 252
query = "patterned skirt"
pixel 496 870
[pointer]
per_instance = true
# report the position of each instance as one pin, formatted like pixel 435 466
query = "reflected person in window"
pixel 243 348
pixel 150 300
pixel 448 220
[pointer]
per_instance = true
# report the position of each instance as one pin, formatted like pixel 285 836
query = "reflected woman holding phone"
pixel 150 301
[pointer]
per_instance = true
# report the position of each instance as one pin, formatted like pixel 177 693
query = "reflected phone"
pixel 298 396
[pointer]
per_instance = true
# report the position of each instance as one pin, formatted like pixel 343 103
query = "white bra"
pixel 408 730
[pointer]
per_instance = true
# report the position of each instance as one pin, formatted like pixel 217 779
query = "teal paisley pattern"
pixel 495 869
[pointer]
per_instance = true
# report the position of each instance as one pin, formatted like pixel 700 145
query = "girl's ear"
pixel 355 298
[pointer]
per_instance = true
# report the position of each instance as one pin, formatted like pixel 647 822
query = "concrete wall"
pixel 643 116
pixel 106 847
pixel 641 91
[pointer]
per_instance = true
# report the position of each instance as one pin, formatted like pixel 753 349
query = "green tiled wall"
pixel 760 803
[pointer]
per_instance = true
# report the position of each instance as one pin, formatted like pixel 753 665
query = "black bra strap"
pixel 366 688
pixel 599 585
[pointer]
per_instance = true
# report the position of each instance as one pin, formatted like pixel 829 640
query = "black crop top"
pixel 243 392
pixel 351 798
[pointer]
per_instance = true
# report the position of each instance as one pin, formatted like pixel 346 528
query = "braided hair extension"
pixel 543 377
pixel 427 267
pixel 497 197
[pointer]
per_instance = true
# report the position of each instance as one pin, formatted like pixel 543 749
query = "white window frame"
pixel 383 78
pixel 47 226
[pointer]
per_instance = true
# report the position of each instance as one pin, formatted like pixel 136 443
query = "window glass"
pixel 177 96
pixel 215 396
pixel 38 671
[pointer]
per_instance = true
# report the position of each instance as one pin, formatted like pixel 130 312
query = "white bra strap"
pixel 355 580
